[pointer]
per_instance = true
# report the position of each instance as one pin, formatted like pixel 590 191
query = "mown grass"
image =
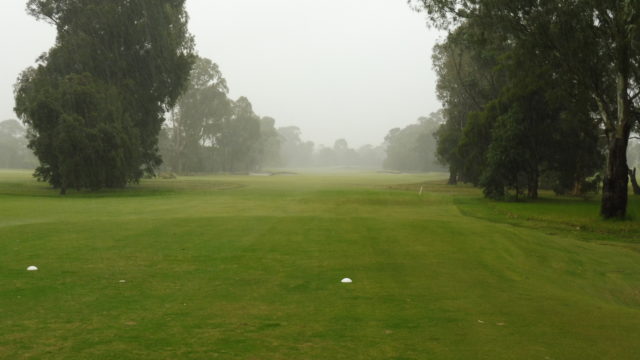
pixel 556 214
pixel 233 267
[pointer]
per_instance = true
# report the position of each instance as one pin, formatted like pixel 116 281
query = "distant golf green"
pixel 240 267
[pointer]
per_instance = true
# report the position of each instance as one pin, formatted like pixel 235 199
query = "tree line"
pixel 534 94
pixel 206 131
pixel 209 132
pixel 413 148
pixel 122 93
pixel 538 92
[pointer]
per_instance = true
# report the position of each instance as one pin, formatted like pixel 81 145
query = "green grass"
pixel 232 267
pixel 564 215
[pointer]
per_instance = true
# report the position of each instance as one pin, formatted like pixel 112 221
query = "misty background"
pixel 341 69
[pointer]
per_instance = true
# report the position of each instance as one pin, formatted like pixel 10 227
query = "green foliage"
pixel 531 132
pixel 506 162
pixel 294 151
pixel 474 143
pixel 512 116
pixel 86 140
pixel 95 103
pixel 270 142
pixel 521 141
pixel 297 153
pixel 593 46
pixel 238 143
pixel 469 77
pixel 413 148
pixel 208 132
pixel 198 118
pixel 338 155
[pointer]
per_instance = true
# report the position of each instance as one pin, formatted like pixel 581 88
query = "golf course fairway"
pixel 241 267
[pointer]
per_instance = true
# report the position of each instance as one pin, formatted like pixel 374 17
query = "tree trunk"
pixel 616 178
pixel 453 176
pixel 63 190
pixel 577 187
pixel 634 181
pixel 532 187
pixel 615 185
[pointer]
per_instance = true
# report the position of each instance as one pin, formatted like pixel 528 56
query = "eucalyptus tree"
pixel 595 42
pixel 197 118
pixel 540 127
pixel 344 155
pixel 522 144
pixel 413 148
pixel 295 152
pixel 270 142
pixel 467 65
pixel 340 154
pixel 95 102
pixel 238 144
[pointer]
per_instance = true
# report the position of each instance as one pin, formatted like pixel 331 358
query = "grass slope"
pixel 249 268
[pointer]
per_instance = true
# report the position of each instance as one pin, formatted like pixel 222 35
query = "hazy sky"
pixel 334 68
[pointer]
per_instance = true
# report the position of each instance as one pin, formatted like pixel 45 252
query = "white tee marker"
pixel 32 268
pixel 346 281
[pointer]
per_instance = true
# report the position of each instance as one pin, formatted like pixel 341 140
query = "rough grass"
pixel 555 214
pixel 237 267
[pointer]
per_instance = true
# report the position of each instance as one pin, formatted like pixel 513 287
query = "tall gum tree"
pixel 467 81
pixel 198 116
pixel 597 42
pixel 123 64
